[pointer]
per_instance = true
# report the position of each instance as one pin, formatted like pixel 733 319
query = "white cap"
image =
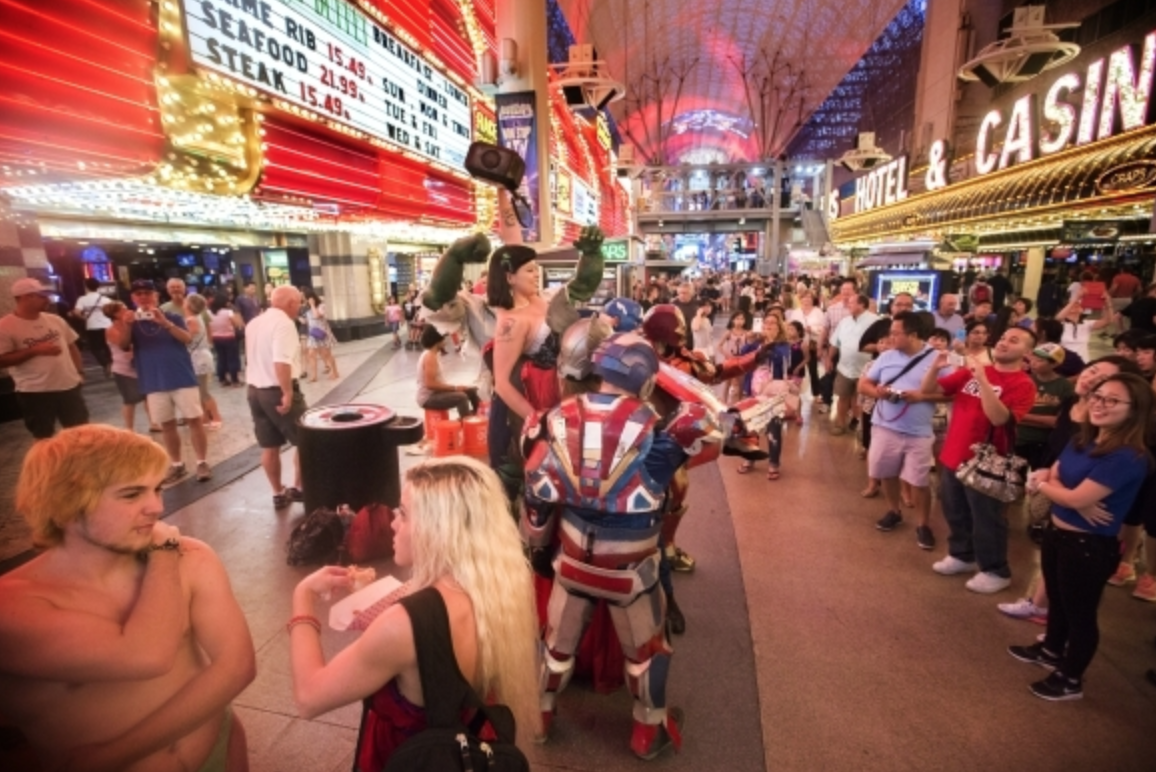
pixel 30 286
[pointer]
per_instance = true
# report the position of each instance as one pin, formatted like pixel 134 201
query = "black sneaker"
pixel 924 537
pixel 1035 654
pixel 1057 688
pixel 890 521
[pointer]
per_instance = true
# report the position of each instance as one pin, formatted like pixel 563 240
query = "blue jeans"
pixel 978 525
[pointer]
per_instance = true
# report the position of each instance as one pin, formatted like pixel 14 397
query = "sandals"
pixel 773 474
pixel 746 467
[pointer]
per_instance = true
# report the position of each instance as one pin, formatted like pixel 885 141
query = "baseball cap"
pixel 143 284
pixel 1052 351
pixel 29 287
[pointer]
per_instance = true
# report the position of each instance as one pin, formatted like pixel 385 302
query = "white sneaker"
pixel 1022 609
pixel 987 583
pixel 951 566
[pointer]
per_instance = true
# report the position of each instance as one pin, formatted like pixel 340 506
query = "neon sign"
pixel 328 57
pixel 1115 97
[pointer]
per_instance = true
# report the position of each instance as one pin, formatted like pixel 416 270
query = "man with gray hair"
pixel 272 370
pixel 946 316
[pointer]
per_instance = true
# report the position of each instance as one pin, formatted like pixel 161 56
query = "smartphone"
pixel 955 360
pixel 757 325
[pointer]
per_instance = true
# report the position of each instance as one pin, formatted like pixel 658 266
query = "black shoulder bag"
pixel 447 743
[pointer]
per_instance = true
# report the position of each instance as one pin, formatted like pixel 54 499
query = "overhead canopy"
pixel 710 43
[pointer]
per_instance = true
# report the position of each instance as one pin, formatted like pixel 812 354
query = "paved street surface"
pixel 814 642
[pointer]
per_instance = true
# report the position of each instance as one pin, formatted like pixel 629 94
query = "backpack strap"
pixel 444 689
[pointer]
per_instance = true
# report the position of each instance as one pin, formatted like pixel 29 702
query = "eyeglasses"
pixel 1096 398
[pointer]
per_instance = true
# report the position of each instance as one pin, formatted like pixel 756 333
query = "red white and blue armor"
pixel 598 471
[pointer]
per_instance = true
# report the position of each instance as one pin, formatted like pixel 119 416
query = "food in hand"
pixel 361 577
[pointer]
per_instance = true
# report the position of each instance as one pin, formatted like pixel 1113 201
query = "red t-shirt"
pixel 969 424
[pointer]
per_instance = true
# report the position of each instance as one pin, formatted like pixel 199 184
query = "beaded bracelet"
pixel 304 619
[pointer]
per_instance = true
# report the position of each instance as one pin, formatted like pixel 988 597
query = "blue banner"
pixel 518 131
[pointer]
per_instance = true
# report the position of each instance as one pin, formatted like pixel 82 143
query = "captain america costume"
pixel 598 471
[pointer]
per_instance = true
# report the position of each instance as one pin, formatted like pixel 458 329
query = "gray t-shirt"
pixel 44 373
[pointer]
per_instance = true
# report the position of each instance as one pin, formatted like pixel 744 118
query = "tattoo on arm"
pixel 506 330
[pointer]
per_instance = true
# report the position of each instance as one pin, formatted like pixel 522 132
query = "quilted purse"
pixel 998 475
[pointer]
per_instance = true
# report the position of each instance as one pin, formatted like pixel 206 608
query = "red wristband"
pixel 304 619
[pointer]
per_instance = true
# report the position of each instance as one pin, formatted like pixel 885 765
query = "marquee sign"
pixel 883 186
pixel 1074 110
pixel 328 57
pixel 1112 95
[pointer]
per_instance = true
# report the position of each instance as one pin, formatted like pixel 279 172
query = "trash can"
pixel 349 454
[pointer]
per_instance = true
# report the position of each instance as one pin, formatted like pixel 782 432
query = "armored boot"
pixel 649 740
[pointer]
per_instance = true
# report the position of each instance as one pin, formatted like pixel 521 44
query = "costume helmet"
pixel 664 324
pixel 578 344
pixel 627 361
pixel 626 311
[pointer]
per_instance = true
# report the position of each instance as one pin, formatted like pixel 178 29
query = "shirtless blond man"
pixel 121 645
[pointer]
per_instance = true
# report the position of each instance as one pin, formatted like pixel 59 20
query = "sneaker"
pixel 1058 687
pixel 987 583
pixel 924 537
pixel 203 471
pixel 1022 609
pixel 176 472
pixel 1035 654
pixel 282 500
pixel 1145 588
pixel 951 565
pixel 822 408
pixel 1125 574
pixel 294 494
pixel 889 522
pixel 679 560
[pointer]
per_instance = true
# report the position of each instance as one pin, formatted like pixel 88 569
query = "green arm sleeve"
pixel 448 273
pixel 588 273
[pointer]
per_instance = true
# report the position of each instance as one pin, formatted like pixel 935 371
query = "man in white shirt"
pixel 273 366
pixel 39 350
pixel 88 308
pixel 946 316
pixel 837 308
pixel 845 339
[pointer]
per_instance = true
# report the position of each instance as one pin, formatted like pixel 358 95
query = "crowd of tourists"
pixel 937 402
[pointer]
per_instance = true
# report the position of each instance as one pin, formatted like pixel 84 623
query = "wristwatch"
pixel 169 544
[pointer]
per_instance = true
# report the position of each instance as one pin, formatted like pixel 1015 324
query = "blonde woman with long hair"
pixel 454 530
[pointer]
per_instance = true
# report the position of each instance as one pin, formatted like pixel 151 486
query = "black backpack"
pixel 448 745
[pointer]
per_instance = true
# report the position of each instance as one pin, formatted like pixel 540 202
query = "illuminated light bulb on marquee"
pixel 1091 101
pixel 1059 113
pixel 1019 134
pixel 1125 88
pixel 986 162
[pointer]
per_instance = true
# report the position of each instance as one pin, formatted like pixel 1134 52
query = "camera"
pixel 893 396
pixel 142 314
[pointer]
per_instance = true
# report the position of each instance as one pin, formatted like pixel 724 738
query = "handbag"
pixel 998 475
pixel 317 333
pixel 370 536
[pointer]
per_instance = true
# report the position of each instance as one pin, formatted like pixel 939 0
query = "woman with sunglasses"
pixel 1092 486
